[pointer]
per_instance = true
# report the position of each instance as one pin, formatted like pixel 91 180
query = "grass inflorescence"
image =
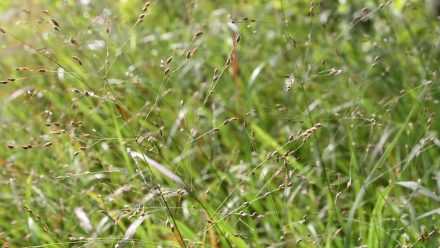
pixel 219 124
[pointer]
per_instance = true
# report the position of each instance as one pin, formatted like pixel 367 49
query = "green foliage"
pixel 219 124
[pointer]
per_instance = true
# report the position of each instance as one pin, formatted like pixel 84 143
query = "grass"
pixel 219 124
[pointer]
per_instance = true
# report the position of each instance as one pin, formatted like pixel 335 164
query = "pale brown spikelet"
pixel 307 133
pixel 55 24
pixel 26 147
pixel 77 60
pixel 229 120
pixel 193 51
pixel 146 6
pixel 57 131
pixel 169 60
pixel 140 18
pixel 197 35
pixel 77 91
pixel 289 82
pixel 23 68
pixel 74 42
pixel 9 80
pixel 47 144
pixel 238 38
pixel 216 75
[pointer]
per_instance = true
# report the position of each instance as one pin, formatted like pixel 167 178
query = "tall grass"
pixel 219 124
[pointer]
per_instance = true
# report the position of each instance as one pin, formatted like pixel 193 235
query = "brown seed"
pixel 2 31
pixel 11 146
pixel 42 70
pixel 4 82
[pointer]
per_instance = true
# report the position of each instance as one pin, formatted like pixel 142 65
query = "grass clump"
pixel 219 124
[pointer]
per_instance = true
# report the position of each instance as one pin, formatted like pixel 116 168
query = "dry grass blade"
pixel 430 213
pixel 161 168
pixel 131 231
pixel 84 220
pixel 123 112
pixel 419 189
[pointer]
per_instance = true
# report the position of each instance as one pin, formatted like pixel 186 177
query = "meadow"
pixel 208 123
